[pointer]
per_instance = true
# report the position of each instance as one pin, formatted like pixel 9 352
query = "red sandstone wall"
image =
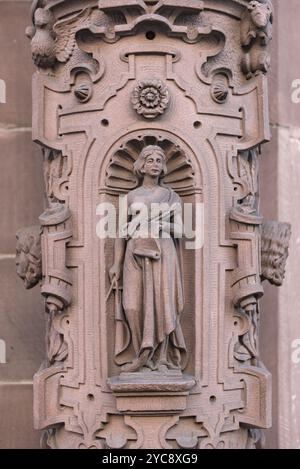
pixel 21 200
pixel 280 195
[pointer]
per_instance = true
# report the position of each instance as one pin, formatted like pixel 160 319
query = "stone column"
pixel 151 342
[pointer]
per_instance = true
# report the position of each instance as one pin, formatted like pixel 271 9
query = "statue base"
pixel 148 392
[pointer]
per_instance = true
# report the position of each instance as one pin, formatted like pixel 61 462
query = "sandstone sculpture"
pixel 153 341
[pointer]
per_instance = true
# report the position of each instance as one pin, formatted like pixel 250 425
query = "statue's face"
pixel 260 14
pixel 154 164
pixel 28 271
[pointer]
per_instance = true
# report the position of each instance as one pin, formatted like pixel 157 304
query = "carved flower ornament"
pixel 150 98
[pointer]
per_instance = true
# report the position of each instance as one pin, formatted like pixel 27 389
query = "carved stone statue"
pixel 29 255
pixel 257 23
pixel 153 298
pixel 256 34
pixel 274 251
pixel 113 97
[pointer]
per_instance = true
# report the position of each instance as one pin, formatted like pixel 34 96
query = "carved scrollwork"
pixel 246 348
pixel 57 169
pixel 54 41
pixel 246 280
pixel 164 12
pixel 244 169
pixel 248 167
pixel 57 281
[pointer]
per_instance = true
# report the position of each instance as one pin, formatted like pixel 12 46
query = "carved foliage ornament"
pixel 53 41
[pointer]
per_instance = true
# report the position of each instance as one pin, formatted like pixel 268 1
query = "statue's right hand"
pixel 115 272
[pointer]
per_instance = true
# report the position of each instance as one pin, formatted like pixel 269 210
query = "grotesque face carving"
pixel 28 256
pixel 275 244
pixel 261 13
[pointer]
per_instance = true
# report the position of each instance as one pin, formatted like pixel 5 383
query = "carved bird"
pixel 43 41
pixel 50 41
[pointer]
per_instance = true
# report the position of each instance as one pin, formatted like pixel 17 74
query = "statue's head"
pixel 151 161
pixel 261 13
pixel 29 256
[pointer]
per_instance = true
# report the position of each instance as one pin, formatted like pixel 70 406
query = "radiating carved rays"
pixel 120 175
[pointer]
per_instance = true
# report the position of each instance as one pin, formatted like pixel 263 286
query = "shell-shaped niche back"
pixel 120 176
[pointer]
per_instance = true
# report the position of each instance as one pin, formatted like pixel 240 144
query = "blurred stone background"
pixel 21 202
pixel 280 200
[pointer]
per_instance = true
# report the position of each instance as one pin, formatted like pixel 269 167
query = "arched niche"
pixel 184 176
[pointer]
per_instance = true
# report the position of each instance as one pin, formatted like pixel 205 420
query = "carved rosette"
pixel 107 73
pixel 150 98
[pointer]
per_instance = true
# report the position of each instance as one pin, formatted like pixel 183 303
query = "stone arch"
pixel 184 176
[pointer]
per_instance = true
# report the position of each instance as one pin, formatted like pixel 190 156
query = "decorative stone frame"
pixel 205 63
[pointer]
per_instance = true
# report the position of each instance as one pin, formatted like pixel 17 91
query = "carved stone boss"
pixel 176 91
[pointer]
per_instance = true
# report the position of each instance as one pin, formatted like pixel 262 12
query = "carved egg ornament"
pixel 150 98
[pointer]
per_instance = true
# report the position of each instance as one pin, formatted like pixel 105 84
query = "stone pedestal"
pixel 149 393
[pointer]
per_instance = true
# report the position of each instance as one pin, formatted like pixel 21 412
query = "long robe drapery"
pixel 153 297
